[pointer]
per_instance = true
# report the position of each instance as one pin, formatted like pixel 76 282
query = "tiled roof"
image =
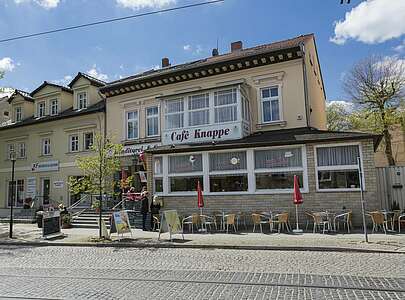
pixel 23 94
pixel 280 45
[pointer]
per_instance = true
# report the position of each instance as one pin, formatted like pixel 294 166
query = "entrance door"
pixel 46 190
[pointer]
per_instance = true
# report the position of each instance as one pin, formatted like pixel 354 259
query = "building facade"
pixel 49 128
pixel 242 124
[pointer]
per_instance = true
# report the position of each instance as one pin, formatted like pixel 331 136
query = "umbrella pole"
pixel 297 230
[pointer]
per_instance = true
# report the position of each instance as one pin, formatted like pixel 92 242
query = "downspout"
pixel 304 74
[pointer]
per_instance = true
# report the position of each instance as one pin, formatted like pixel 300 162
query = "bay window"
pixel 174 114
pixel 225 106
pixel 199 110
pixel 275 168
pixel 184 172
pixel 132 125
pixel 337 167
pixel 152 121
pixel 270 104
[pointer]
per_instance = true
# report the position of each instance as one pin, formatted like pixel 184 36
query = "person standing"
pixel 144 208
pixel 154 210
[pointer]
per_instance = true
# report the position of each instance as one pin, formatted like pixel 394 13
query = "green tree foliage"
pixel 337 116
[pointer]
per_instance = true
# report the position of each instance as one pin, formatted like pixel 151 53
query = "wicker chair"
pixel 230 221
pixel 258 220
pixel 282 221
pixel 193 220
pixel 320 221
pixel 378 221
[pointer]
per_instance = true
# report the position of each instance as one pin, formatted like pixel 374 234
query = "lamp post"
pixel 13 159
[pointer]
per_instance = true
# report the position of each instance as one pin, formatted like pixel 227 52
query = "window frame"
pixel 20 148
pixel 157 175
pixel 70 143
pixel 18 114
pixel 16 186
pixel 183 112
pixel 236 104
pixel 189 111
pixel 280 102
pixel 10 147
pixel 52 107
pixel 38 109
pixel 132 120
pixel 80 103
pixel 45 146
pixel 84 140
pixel 152 117
pixel 339 167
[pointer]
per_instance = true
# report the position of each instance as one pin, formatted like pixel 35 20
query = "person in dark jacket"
pixel 154 209
pixel 144 208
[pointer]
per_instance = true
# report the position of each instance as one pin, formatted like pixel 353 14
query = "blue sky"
pixel 124 48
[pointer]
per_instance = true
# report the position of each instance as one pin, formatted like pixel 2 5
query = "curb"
pixel 200 246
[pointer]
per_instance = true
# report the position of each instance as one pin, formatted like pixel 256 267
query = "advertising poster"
pixel 121 222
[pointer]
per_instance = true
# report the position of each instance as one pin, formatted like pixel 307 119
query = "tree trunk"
pixel 388 147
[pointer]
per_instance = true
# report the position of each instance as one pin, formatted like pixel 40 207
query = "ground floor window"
pixel 19 192
pixel 228 183
pixel 185 184
pixel 339 179
pixel 277 180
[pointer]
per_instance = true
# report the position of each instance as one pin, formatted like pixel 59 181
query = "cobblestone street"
pixel 110 273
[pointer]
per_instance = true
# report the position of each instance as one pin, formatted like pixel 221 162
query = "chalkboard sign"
pixel 135 219
pixel 51 223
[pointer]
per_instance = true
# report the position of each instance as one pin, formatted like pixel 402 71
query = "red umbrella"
pixel 200 195
pixel 297 198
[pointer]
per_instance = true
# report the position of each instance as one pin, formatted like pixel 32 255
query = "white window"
pixel 275 168
pixel 10 150
pixel 337 167
pixel 46 146
pixel 82 100
pixel 158 174
pixel 73 143
pixel 21 150
pixel 41 109
pixel 225 106
pixel 174 113
pixel 19 192
pixel 198 110
pixel 184 173
pixel 270 104
pixel 88 140
pixel 132 125
pixel 152 121
pixel 18 114
pixel 54 107
pixel 228 172
pixel 245 109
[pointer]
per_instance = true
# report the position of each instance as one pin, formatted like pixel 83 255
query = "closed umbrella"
pixel 297 198
pixel 200 196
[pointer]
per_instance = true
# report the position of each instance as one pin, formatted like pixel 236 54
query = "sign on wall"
pixel 31 187
pixel 204 134
pixel 58 184
pixel 45 166
pixel 137 149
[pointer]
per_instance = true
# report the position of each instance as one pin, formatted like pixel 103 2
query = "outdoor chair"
pixel 345 219
pixel 193 220
pixel 378 221
pixel 156 222
pixel 282 221
pixel 310 219
pixel 241 218
pixel 230 221
pixel 258 220
pixel 395 217
pixel 208 221
pixel 320 221
pixel 401 220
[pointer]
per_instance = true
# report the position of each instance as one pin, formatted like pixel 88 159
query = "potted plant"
pixel 66 221
pixel 96 205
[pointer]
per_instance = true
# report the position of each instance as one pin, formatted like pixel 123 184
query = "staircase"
pixel 89 219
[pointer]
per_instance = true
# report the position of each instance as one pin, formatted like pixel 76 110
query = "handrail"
pixel 118 204
pixel 78 213
pixel 77 203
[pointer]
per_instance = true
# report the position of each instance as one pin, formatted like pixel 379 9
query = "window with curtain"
pixel 337 167
pixel 190 164
pixel 224 161
pixel 275 168
pixel 158 174
pixel 198 110
pixel 185 163
pixel 225 106
pixel 132 125
pixel 270 102
pixel 174 113
pixel 152 121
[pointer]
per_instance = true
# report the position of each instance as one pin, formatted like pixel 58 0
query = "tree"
pixel 377 85
pixel 98 170
pixel 337 117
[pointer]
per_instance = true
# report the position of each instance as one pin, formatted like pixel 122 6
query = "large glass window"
pixel 225 103
pixel 199 111
pixel 337 167
pixel 152 121
pixel 185 164
pixel 275 168
pixel 224 161
pixel 174 114
pixel 270 104
pixel 132 125
pixel 228 183
pixel 185 184
pixel 158 174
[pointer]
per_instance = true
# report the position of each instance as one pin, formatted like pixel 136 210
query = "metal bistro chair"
pixel 156 222
pixel 208 221
pixel 401 220
pixel 310 219
pixel 345 219
pixel 258 220
pixel 378 221
pixel 282 221
pixel 230 221
pixel 193 220
pixel 395 218
pixel 319 221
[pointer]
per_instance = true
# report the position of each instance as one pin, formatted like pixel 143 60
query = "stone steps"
pixel 89 219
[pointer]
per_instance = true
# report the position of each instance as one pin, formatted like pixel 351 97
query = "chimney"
pixel 236 46
pixel 215 52
pixel 165 62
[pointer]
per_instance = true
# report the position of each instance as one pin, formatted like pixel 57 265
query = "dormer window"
pixel 82 100
pixel 54 107
pixel 41 109
pixel 18 114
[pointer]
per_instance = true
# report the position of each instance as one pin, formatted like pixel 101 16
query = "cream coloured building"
pixel 242 124
pixel 50 127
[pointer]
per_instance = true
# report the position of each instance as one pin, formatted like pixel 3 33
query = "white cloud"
pixel 187 47
pixel 6 64
pixel 400 48
pixel 47 4
pixel 96 73
pixel 64 81
pixel 141 4
pixel 198 49
pixel 372 21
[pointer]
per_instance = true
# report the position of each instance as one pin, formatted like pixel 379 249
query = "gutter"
pixel 304 75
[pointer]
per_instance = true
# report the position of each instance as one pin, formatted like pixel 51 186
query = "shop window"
pixel 225 106
pixel 157 165
pixel 227 161
pixel 152 121
pixel 270 102
pixel 199 111
pixel 337 167
pixel 185 163
pixel 158 185
pixel 275 168
pixel 228 183
pixel 19 192
pixel 158 174
pixel 174 114
pixel 185 184
pixel 132 125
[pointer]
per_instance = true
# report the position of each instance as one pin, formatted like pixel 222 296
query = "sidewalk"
pixel 29 234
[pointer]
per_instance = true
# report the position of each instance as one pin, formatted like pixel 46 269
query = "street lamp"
pixel 13 159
